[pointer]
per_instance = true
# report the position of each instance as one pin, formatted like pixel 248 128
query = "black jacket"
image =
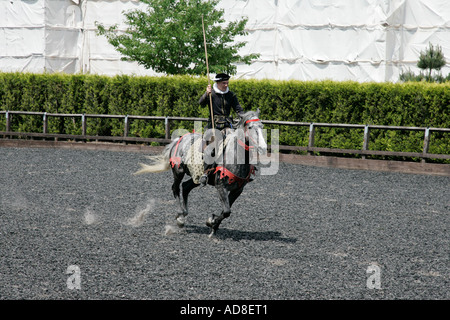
pixel 222 103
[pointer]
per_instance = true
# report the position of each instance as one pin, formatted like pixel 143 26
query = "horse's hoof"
pixel 181 220
pixel 209 222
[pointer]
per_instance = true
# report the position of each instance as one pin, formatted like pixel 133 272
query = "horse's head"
pixel 253 129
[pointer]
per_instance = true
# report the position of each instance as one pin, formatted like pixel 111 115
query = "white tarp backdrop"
pixel 361 40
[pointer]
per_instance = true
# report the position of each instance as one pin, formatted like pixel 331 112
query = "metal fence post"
pixel 426 143
pixel 312 130
pixel 126 127
pixel 8 123
pixel 366 140
pixel 167 126
pixel 83 125
pixel 45 123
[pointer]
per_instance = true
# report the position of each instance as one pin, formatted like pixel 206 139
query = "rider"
pixel 222 100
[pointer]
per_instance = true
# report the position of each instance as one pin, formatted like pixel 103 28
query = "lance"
pixel 207 72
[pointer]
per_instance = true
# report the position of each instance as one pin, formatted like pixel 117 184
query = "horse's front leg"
pixel 214 221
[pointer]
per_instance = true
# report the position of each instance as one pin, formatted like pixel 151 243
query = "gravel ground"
pixel 304 233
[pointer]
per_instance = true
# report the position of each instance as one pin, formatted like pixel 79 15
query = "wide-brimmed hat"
pixel 221 77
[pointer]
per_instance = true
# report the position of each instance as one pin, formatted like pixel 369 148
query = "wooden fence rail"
pixel 311 149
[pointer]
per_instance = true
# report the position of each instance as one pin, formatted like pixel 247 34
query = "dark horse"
pixel 230 151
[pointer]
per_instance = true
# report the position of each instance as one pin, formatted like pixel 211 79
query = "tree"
pixel 430 59
pixel 168 37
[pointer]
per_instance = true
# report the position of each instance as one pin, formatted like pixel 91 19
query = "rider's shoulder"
pixel 231 93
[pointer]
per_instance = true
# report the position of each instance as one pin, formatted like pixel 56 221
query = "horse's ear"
pixel 258 111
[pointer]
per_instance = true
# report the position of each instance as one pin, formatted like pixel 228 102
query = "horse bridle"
pixel 252 120
pixel 247 136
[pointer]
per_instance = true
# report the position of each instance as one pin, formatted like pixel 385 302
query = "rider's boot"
pixel 204 178
pixel 207 168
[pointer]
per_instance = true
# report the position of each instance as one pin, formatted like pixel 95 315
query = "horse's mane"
pixel 240 125
pixel 247 116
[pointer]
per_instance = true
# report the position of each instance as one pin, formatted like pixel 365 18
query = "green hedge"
pixel 408 104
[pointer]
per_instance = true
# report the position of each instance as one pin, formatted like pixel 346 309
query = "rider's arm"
pixel 204 100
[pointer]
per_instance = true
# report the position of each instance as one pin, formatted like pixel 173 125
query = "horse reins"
pixel 247 148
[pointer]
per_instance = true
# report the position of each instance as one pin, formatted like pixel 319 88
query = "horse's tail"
pixel 160 163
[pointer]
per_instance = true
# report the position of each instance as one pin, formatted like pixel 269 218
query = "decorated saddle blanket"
pixel 194 157
pixel 194 160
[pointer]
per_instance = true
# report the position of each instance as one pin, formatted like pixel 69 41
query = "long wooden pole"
pixel 207 72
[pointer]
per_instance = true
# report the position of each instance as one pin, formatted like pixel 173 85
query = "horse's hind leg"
pixel 177 178
pixel 186 188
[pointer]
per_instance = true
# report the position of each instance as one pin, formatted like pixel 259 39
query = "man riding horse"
pixel 222 100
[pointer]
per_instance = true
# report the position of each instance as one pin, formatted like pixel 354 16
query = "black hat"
pixel 221 77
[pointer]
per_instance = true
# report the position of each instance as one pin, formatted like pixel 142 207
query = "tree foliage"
pixel 430 59
pixel 168 37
